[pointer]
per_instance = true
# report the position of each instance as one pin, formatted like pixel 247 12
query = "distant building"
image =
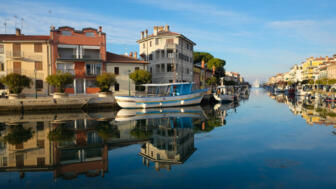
pixel 81 53
pixel 27 55
pixel 200 74
pixel 122 66
pixel 170 55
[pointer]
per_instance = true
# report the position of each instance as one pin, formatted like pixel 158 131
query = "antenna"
pixel 22 24
pixel 15 18
pixel 5 24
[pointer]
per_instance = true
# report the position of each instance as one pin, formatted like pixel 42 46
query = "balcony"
pixel 75 57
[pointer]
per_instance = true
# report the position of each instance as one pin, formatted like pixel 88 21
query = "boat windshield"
pixel 171 89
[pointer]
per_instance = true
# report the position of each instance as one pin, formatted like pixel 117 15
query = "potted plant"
pixel 15 83
pixel 59 81
pixel 104 82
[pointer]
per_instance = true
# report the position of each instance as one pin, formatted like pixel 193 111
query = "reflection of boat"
pixel 224 94
pixel 223 107
pixel 152 113
pixel 165 95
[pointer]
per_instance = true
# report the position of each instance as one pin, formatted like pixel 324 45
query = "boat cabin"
pixel 168 89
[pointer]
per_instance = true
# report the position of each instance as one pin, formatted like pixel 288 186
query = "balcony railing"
pixel 75 57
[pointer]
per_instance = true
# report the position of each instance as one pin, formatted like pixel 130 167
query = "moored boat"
pixel 224 94
pixel 163 95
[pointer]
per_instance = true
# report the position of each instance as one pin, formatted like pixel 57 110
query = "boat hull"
pixel 223 97
pixel 155 102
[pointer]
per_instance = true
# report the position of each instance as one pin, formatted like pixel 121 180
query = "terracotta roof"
pixel 13 37
pixel 116 58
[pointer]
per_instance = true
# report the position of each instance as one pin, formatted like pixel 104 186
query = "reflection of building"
pixel 85 154
pixel 172 142
pixel 34 154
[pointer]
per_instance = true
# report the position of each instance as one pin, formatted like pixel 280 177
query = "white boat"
pixel 163 95
pixel 224 94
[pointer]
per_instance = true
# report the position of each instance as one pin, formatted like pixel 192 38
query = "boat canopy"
pixel 173 89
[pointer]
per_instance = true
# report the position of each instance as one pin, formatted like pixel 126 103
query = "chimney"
pixel 52 28
pixel 142 34
pixel 155 31
pixel 100 29
pixel 203 64
pixel 146 33
pixel 160 28
pixel 166 27
pixel 131 54
pixel 135 55
pixel 17 32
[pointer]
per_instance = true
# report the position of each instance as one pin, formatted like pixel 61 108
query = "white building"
pixel 170 55
pixel 122 66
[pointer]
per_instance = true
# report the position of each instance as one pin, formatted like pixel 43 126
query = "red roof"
pixel 116 58
pixel 13 37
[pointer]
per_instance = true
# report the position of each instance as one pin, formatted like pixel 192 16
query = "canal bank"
pixel 51 104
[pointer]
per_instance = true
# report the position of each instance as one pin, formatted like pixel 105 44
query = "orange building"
pixel 80 52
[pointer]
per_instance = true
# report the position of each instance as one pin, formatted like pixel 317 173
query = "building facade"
pixel 81 53
pixel 170 55
pixel 121 66
pixel 27 55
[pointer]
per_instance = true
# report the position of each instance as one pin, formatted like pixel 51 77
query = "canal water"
pixel 264 141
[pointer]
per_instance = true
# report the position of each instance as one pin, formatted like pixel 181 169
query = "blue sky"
pixel 257 38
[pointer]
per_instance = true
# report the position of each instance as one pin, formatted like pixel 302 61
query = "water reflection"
pixel 72 144
pixel 314 111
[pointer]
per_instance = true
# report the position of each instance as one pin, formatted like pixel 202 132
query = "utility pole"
pixel 129 83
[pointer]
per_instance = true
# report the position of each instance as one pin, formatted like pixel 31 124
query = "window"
pixel 39 84
pixel 150 57
pixel 156 41
pixel 2 66
pixel 67 33
pixel 1 49
pixel 40 143
pixel 40 162
pixel 116 87
pixel 170 41
pixel 169 68
pixel 162 67
pixel 151 70
pixel 38 65
pixel 162 53
pixel 150 44
pixel 40 125
pixel 116 70
pixel 17 67
pixel 136 68
pixel 157 68
pixel 91 83
pixel 93 69
pixel 37 47
pixel 144 45
pixel 16 50
pixel 90 34
pixel 66 68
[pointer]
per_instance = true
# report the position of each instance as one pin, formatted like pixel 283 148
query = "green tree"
pixel 105 81
pixel 140 77
pixel 60 80
pixel 16 82
pixel 215 62
pixel 199 56
pixel 18 134
pixel 61 133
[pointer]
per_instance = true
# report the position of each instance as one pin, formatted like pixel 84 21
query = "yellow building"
pixel 27 55
pixel 310 68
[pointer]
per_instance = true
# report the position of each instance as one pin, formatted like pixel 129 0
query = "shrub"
pixel 105 81
pixel 16 82
pixel 140 77
pixel 60 80
pixel 18 135
pixel 61 133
